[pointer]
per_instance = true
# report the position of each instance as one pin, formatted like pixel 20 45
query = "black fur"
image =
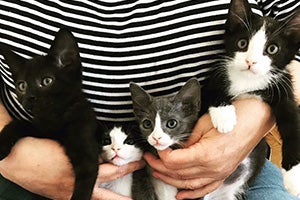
pixel 49 87
pixel 279 94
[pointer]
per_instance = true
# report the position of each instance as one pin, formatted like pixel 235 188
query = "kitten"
pixel 168 122
pixel 49 87
pixel 121 144
pixel 258 51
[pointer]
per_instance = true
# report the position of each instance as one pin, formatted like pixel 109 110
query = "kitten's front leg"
pixel 9 135
pixel 223 117
pixel 288 122
pixel 82 149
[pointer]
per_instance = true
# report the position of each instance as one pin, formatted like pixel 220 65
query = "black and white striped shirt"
pixel 157 44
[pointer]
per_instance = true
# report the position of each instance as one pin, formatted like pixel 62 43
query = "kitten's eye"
pixel 147 124
pixel 242 43
pixel 47 81
pixel 106 141
pixel 129 141
pixel 172 123
pixel 272 49
pixel 22 86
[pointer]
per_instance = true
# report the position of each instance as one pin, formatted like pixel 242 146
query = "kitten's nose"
pixel 156 139
pixel 250 63
pixel 116 149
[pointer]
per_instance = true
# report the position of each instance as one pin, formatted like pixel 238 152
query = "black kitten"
pixel 49 87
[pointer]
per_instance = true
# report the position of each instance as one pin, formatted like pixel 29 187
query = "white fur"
pixel 126 153
pixel 223 118
pixel 158 138
pixel 163 190
pixel 291 180
pixel 121 185
pixel 244 79
pixel 228 191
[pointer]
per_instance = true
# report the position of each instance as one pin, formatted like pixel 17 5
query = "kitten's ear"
pixel 190 92
pixel 239 13
pixel 64 49
pixel 293 26
pixel 140 98
pixel 12 59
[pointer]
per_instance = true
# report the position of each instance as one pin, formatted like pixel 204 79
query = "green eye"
pixel 22 86
pixel 106 141
pixel 172 123
pixel 47 81
pixel 129 141
pixel 242 43
pixel 272 49
pixel 147 124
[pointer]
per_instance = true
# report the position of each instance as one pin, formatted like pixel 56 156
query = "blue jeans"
pixel 267 186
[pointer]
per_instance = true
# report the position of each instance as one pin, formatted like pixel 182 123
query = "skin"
pixel 45 167
pixel 199 173
pixel 46 170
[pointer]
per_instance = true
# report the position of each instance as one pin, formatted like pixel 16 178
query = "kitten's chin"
pixel 160 147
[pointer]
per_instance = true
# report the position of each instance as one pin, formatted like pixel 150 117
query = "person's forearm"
pixel 254 120
pixel 294 68
pixel 4 116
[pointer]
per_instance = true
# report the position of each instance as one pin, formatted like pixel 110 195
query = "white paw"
pixel 223 118
pixel 291 180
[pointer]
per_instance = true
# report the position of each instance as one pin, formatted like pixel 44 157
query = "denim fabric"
pixel 269 185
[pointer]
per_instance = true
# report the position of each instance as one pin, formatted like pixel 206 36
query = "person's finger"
pixel 109 172
pixel 181 158
pixel 104 194
pixel 188 184
pixel 194 194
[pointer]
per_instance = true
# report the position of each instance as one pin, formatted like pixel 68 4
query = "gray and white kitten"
pixel 168 121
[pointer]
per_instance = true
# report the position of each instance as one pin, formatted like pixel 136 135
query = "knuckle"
pixel 189 185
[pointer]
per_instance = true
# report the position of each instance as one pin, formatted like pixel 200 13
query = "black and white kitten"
pixel 49 87
pixel 121 144
pixel 168 122
pixel 258 51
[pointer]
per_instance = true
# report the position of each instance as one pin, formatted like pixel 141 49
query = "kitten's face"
pixel 43 81
pixel 121 145
pixel 258 47
pixel 167 121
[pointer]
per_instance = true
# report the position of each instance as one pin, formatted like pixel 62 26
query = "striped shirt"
pixel 157 44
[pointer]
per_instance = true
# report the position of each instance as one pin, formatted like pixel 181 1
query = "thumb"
pixel 202 127
pixel 104 194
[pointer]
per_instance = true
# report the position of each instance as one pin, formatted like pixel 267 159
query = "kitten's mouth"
pixel 249 70
pixel 116 156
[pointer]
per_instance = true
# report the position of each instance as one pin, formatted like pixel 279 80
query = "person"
pixel 158 44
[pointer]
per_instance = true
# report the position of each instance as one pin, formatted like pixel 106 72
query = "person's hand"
pixel 42 167
pixel 197 168
pixel 210 157
pixel 109 172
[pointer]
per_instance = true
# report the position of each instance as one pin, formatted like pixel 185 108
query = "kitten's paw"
pixel 291 179
pixel 223 118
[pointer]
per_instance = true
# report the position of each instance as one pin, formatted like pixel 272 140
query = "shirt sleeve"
pixel 280 10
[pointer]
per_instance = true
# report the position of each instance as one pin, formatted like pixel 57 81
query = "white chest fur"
pixel 121 185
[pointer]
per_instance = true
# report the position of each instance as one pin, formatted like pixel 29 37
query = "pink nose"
pixel 156 139
pixel 250 63
pixel 115 149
